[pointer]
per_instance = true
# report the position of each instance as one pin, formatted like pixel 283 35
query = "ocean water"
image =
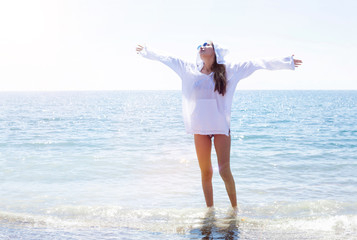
pixel 119 165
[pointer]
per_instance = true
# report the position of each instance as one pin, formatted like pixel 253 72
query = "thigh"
pixel 203 146
pixel 222 144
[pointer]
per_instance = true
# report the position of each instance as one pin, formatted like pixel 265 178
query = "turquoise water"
pixel 119 165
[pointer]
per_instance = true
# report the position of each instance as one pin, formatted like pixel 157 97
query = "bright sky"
pixel 90 45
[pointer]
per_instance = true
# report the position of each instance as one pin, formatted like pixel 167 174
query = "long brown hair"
pixel 220 77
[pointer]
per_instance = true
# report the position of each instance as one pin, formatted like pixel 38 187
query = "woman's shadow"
pixel 213 228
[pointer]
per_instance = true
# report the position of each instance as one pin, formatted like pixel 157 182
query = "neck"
pixel 207 65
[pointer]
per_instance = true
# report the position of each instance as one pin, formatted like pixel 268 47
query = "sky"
pixel 61 45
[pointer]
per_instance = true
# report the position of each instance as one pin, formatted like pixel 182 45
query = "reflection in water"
pixel 213 228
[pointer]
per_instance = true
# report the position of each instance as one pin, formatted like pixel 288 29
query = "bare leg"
pixel 222 144
pixel 203 145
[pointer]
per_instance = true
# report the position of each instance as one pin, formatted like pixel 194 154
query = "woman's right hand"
pixel 139 48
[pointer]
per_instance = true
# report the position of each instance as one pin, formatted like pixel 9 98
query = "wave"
pixel 249 223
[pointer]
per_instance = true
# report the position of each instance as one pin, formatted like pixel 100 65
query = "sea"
pixel 119 165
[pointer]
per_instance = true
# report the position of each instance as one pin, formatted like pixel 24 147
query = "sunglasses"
pixel 204 45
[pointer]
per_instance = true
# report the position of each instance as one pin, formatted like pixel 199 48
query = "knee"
pixel 207 174
pixel 225 173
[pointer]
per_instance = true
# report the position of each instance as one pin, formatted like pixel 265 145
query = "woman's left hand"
pixel 297 62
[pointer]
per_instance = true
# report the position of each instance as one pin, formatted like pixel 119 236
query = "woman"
pixel 208 88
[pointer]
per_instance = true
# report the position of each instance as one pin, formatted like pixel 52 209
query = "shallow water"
pixel 89 165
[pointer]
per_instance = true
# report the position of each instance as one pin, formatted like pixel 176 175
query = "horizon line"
pixel 128 90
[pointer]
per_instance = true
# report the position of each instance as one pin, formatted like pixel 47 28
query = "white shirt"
pixel 205 111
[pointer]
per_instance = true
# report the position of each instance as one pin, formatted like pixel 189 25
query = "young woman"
pixel 208 88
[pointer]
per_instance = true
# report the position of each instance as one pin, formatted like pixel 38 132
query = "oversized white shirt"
pixel 205 111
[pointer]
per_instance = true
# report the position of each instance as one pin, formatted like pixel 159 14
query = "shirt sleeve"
pixel 245 69
pixel 176 64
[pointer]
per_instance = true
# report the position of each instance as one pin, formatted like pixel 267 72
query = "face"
pixel 206 50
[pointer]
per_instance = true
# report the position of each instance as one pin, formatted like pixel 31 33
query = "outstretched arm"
pixel 176 64
pixel 245 69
